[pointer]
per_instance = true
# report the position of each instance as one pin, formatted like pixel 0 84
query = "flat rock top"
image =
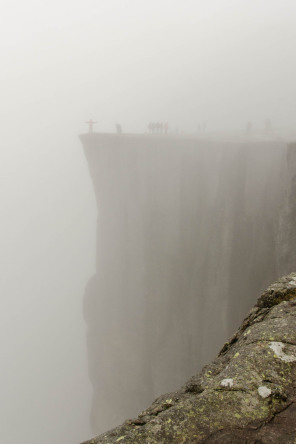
pixel 246 395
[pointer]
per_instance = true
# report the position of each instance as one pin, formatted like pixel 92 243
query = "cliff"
pixel 247 394
pixel 189 231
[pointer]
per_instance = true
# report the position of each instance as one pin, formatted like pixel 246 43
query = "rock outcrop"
pixel 246 395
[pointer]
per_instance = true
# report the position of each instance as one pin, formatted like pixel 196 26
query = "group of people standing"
pixel 158 127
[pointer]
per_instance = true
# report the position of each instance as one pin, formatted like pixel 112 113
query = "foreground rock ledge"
pixel 247 395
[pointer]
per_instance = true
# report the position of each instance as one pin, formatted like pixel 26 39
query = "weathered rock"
pixel 247 395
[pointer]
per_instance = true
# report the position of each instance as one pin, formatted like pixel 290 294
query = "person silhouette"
pixel 118 128
pixel 90 124
pixel 249 127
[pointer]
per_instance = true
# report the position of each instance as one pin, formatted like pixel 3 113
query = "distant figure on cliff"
pixel 268 126
pixel 249 127
pixel 90 124
pixel 118 128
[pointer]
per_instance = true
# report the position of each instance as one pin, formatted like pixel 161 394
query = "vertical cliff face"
pixel 189 232
pixel 287 217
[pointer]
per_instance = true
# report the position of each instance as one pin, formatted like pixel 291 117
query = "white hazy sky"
pixel 131 61
pixel 128 61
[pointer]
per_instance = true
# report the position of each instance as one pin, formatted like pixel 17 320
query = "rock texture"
pixel 246 395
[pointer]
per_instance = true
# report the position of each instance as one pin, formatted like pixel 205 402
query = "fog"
pixel 221 64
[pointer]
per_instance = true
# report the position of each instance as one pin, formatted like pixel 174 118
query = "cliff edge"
pixel 246 395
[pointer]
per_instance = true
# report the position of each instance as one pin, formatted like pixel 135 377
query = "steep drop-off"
pixel 189 232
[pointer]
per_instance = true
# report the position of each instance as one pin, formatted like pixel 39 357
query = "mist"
pixel 190 63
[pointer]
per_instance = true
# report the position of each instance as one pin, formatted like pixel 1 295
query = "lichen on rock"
pixel 247 394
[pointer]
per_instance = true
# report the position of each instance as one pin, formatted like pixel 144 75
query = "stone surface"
pixel 246 395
